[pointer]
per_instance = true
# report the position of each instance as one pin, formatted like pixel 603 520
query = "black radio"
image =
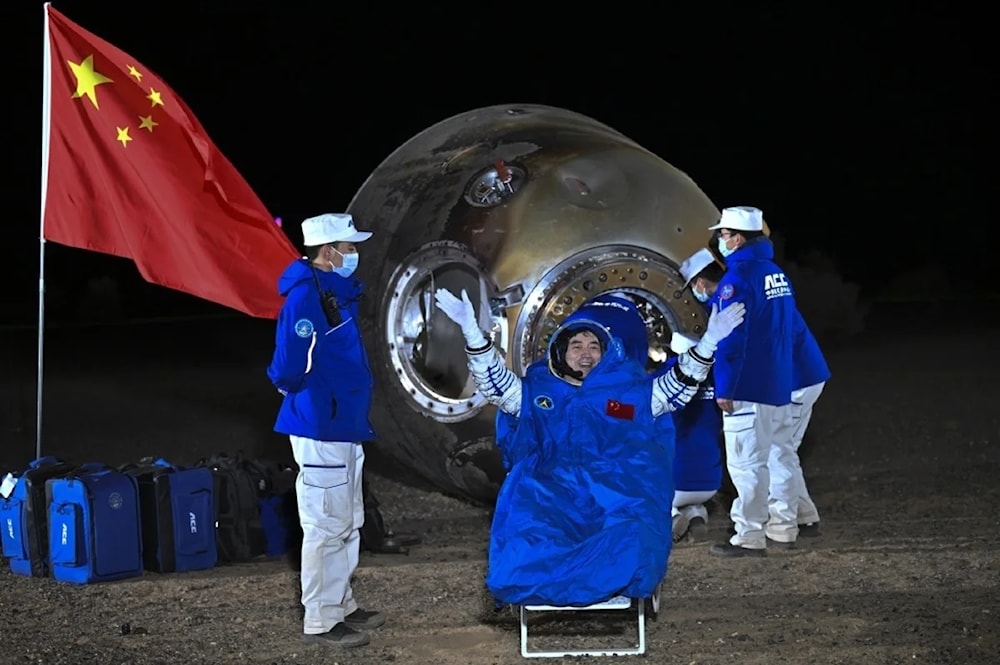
pixel 328 301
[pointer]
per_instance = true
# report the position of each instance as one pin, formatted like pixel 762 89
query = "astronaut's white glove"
pixel 720 325
pixel 461 312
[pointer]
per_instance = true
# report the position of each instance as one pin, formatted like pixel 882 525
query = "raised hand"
pixel 462 313
pixel 721 323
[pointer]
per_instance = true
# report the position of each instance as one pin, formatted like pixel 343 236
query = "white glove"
pixel 461 312
pixel 720 325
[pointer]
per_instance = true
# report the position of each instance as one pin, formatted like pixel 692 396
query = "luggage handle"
pixel 92 467
pixel 47 460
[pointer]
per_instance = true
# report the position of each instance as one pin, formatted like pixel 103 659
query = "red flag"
pixel 130 171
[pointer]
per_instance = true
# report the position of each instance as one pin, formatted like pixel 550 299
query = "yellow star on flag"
pixel 132 71
pixel 87 79
pixel 147 122
pixel 154 97
pixel 123 136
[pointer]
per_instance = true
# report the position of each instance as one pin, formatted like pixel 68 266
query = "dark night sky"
pixel 857 132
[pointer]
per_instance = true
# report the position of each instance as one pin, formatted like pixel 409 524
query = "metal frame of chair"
pixel 616 603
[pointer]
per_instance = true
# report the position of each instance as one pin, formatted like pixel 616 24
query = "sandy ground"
pixel 902 459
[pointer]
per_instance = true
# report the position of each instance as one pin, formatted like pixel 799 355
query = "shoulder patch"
pixel 543 402
pixel 726 292
pixel 304 327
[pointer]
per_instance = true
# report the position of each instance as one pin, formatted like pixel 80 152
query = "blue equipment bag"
pixel 177 509
pixel 94 526
pixel 279 516
pixel 24 517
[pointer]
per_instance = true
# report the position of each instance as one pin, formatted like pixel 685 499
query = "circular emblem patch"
pixel 543 402
pixel 727 292
pixel 115 500
pixel 303 327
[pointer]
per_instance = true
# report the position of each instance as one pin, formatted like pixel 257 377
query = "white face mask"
pixel 350 264
pixel 700 296
pixel 725 251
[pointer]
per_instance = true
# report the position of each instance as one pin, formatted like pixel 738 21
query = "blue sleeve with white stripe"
pixel 295 338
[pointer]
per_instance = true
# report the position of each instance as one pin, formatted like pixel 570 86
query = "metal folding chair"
pixel 616 603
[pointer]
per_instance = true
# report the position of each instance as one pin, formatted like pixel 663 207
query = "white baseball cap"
pixel 695 263
pixel 681 343
pixel 331 227
pixel 740 218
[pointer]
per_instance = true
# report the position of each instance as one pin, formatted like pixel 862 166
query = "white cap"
pixel 680 343
pixel 695 263
pixel 740 218
pixel 331 227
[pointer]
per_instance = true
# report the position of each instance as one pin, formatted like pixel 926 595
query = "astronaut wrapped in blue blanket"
pixel 584 512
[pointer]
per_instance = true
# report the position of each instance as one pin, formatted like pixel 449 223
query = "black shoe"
pixel 679 525
pixel 778 545
pixel 697 531
pixel 730 551
pixel 810 530
pixel 340 635
pixel 364 620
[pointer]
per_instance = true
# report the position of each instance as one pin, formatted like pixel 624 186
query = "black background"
pixel 865 134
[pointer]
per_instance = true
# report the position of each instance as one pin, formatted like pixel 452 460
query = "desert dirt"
pixel 902 459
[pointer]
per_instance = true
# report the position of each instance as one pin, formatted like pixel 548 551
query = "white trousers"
pixel 692 504
pixel 799 414
pixel 331 510
pixel 754 433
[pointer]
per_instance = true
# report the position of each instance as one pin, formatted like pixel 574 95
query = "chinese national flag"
pixel 128 170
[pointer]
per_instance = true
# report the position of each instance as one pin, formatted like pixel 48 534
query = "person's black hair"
pixel 712 272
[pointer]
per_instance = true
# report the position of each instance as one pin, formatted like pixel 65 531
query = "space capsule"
pixel 532 210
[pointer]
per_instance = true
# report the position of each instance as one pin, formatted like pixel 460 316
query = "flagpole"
pixel 46 120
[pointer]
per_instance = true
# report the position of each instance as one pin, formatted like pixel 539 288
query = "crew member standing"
pixel 321 368
pixel 754 379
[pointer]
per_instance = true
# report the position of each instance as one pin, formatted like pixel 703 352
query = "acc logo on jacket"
pixel 776 286
pixel 303 327
pixel 543 402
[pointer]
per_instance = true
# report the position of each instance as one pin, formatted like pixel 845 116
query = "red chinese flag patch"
pixel 617 409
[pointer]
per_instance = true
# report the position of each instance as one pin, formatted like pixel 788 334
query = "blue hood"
pixel 295 273
pixel 609 316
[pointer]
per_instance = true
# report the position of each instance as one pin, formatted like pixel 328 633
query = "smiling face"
pixel 583 352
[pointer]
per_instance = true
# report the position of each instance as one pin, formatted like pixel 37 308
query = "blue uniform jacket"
pixel 810 365
pixel 584 513
pixel 323 369
pixel 756 362
pixel 696 430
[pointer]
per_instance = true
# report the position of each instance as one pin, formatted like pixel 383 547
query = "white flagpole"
pixel 46 126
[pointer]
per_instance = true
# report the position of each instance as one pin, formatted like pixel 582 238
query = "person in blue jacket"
pixel 698 467
pixel 583 514
pixel 754 378
pixel 697 456
pixel 321 368
pixel 703 274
